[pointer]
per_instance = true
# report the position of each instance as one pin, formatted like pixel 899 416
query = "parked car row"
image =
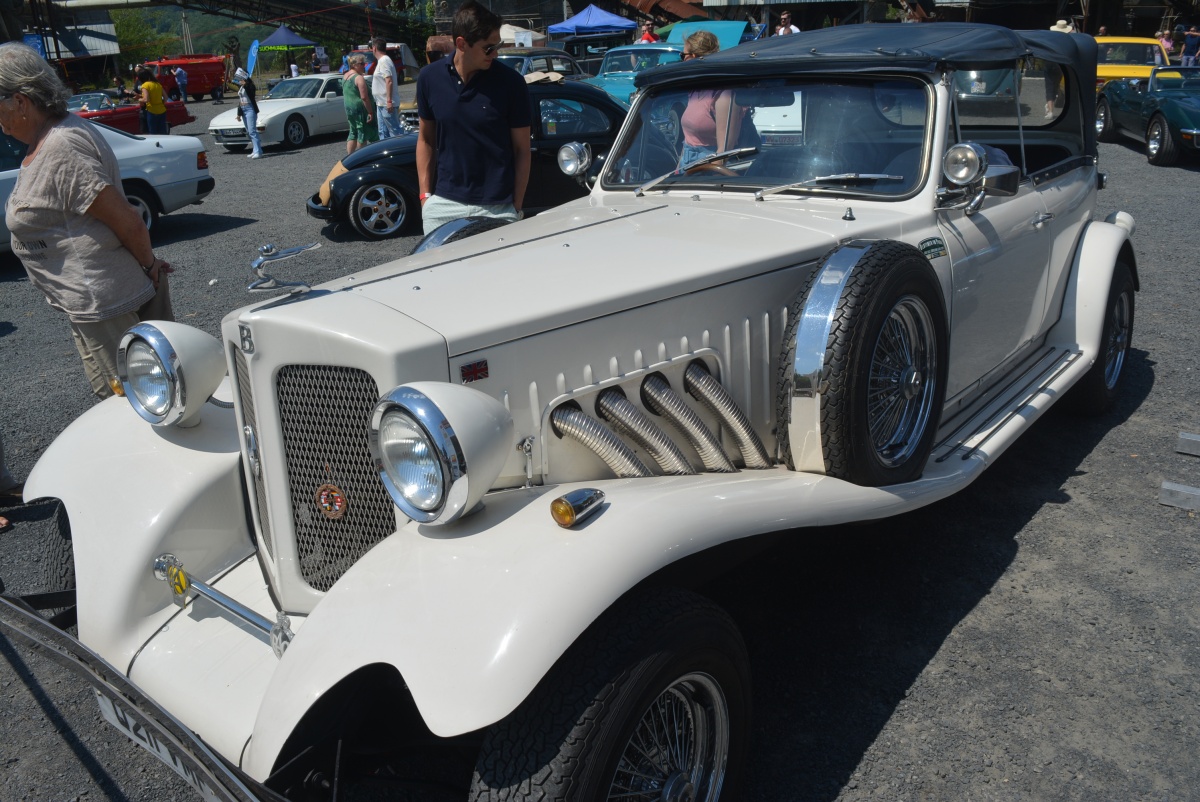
pixel 1162 111
pixel 160 174
pixel 99 107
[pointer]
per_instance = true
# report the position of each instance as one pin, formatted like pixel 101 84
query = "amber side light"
pixel 202 160
pixel 115 384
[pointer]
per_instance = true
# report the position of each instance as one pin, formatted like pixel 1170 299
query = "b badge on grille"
pixel 331 501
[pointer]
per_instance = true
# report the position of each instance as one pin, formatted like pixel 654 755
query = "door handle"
pixel 1040 219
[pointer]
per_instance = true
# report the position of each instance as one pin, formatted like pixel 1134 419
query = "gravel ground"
pixel 1032 638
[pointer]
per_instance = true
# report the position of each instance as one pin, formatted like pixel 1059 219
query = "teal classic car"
pixel 622 64
pixel 1163 111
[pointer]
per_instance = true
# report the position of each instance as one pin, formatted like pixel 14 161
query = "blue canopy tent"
pixel 593 20
pixel 283 39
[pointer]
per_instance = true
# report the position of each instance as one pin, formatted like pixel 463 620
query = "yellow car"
pixel 1127 57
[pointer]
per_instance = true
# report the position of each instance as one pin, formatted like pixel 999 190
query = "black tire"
pixel 174 94
pixel 456 230
pixel 198 96
pixel 381 209
pixel 1100 387
pixel 56 564
pixel 235 148
pixel 892 298
pixel 144 201
pixel 1161 150
pixel 1105 130
pixel 572 739
pixel 295 131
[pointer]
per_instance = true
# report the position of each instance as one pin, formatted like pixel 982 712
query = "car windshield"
pixel 90 101
pixel 1127 53
pixel 516 62
pixel 296 87
pixel 1184 78
pixel 819 135
pixel 637 59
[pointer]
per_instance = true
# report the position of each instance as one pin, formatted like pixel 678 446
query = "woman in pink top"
pixel 712 122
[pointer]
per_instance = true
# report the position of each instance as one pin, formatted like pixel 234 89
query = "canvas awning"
pixel 593 20
pixel 283 39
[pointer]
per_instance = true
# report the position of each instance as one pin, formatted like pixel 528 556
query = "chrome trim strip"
pixel 803 426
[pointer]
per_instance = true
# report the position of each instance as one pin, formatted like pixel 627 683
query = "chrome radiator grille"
pixel 324 412
pixel 246 397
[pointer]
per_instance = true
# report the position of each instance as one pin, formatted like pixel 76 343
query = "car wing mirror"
pixel 1002 179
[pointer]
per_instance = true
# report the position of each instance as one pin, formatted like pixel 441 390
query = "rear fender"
pixel 342 188
pixel 1086 298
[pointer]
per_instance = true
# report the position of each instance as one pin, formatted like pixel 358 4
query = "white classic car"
pixel 294 110
pixel 455 504
pixel 160 174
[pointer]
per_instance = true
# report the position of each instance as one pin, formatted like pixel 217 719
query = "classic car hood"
pixel 601 255
pixel 619 85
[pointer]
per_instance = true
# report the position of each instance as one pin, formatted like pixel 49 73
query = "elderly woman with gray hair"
pixel 360 105
pixel 80 241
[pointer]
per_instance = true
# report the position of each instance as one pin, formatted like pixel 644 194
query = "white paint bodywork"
pixel 473 614
pixel 322 114
pixel 167 164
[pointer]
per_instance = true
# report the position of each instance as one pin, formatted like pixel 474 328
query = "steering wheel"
pixel 711 167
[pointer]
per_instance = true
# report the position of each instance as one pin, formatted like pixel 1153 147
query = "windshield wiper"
pixel 709 159
pixel 840 178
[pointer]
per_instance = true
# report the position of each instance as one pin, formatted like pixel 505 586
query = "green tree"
pixel 136 37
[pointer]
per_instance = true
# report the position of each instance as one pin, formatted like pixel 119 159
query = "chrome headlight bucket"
pixel 965 163
pixel 574 158
pixel 438 448
pixel 168 371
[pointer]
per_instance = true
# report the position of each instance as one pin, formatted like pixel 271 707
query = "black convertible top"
pixel 882 46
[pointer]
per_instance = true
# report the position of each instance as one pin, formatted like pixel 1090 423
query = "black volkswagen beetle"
pixel 375 188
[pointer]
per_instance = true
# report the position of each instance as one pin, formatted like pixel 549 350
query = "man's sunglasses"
pixel 490 49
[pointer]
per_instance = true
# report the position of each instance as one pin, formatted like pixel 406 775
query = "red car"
pixel 101 108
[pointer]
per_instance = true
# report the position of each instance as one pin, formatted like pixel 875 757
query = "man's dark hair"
pixel 379 43
pixel 474 22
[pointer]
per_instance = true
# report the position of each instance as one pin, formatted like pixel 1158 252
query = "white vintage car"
pixel 294 110
pixel 455 502
pixel 160 174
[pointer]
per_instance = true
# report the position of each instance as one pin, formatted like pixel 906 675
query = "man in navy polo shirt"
pixel 473 147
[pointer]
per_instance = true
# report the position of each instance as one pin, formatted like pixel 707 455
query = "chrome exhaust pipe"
pixel 704 387
pixel 574 423
pixel 658 396
pixel 614 407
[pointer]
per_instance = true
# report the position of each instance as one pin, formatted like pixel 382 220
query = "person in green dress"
pixel 360 107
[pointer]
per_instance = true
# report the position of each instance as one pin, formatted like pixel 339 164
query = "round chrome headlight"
pixel 423 437
pixel 150 366
pixel 965 163
pixel 410 461
pixel 149 373
pixel 574 158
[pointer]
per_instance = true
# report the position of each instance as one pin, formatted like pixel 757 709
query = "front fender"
pixel 133 491
pixel 474 615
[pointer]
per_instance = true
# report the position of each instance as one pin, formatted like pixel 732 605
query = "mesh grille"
pixel 246 396
pixel 325 413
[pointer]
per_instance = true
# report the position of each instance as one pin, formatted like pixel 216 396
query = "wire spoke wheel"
pixel 679 748
pixel 901 381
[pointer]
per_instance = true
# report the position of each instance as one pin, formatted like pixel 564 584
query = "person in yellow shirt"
pixel 152 103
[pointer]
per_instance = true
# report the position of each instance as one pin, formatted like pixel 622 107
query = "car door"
pixel 1000 255
pixel 1126 105
pixel 561 117
pixel 331 111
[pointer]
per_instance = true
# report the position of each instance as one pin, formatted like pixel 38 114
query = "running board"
pixel 1017 406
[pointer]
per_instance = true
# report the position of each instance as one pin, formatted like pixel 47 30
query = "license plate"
pixel 233 132
pixel 115 715
pixel 978 87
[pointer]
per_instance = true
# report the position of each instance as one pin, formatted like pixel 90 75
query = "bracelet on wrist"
pixel 149 267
